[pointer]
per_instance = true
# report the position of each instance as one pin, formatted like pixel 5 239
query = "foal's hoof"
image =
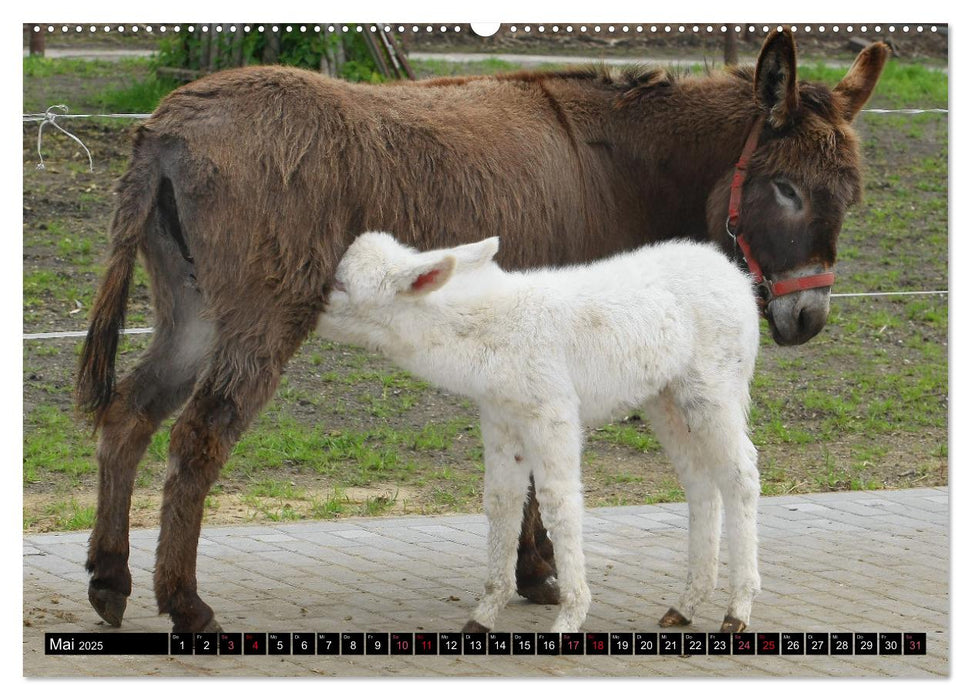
pixel 543 593
pixel 109 604
pixel 732 624
pixel 672 618
pixel 474 627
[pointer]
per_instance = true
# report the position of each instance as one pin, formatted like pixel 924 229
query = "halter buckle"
pixel 731 234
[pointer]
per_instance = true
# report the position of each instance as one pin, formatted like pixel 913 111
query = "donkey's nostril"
pixel 810 321
pixel 803 321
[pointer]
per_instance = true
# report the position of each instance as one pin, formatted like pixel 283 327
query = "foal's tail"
pixel 137 194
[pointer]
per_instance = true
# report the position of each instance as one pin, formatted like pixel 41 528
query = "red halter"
pixel 770 289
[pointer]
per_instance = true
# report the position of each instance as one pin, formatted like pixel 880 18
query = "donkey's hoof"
pixel 212 626
pixel 672 618
pixel 109 604
pixel 544 593
pixel 732 624
pixel 474 627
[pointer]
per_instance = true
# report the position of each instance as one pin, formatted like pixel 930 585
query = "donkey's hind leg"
pixel 158 385
pixel 535 564
pixel 243 373
pixel 153 390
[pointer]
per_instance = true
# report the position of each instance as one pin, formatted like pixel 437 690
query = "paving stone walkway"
pixel 873 561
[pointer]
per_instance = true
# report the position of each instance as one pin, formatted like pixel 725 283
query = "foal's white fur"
pixel 670 328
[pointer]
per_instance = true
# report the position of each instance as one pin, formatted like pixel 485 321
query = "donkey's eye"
pixel 786 194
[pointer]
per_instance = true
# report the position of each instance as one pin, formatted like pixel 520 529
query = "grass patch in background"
pixel 139 98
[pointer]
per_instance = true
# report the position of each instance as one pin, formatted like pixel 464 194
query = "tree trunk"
pixel 36 42
pixel 212 60
pixel 236 54
pixel 271 51
pixel 731 48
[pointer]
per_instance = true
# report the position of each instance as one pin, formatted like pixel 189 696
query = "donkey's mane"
pixel 621 80
pixel 642 79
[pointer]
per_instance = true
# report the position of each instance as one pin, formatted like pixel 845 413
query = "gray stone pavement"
pixel 873 561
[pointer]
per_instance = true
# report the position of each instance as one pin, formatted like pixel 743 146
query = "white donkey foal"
pixel 671 328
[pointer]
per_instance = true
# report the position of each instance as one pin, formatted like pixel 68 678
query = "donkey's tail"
pixel 137 195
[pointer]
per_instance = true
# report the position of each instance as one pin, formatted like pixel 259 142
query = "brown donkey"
pixel 245 188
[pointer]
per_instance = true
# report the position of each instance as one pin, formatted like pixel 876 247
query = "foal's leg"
pixel 243 374
pixel 739 484
pixel 704 532
pixel 687 452
pixel 159 384
pixel 714 456
pixel 553 449
pixel 505 489
pixel 536 565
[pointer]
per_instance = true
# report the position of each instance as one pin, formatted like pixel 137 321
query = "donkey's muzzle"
pixel 797 317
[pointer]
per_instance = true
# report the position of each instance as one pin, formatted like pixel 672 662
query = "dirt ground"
pixel 66 191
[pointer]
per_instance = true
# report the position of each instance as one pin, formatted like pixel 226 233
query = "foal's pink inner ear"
pixel 423 280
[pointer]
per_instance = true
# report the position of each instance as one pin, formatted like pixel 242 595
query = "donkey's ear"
pixel 474 255
pixel 857 85
pixel 775 78
pixel 426 277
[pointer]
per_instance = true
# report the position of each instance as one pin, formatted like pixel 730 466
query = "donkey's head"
pixel 791 196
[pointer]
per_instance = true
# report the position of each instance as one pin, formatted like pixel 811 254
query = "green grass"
pixel 332 507
pixel 141 97
pixel 69 515
pixel 42 67
pixel 55 444
pixel 378 505
pixel 670 492
pixel 437 68
pixel 122 96
pixel 355 457
pixel 267 487
pixel 902 84
pixel 636 436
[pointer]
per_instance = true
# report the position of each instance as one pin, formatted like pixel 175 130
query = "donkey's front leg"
pixel 504 493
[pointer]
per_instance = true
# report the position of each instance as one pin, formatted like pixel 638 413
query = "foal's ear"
pixel 426 277
pixel 474 255
pixel 775 78
pixel 857 85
